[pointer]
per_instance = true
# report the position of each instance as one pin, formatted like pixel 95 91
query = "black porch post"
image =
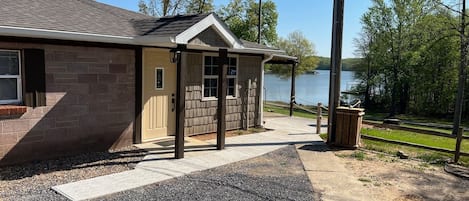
pixel 221 107
pixel 292 92
pixel 138 94
pixel 180 103
pixel 336 62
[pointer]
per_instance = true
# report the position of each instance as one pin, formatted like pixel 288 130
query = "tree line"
pixel 348 64
pixel 410 52
pixel 241 16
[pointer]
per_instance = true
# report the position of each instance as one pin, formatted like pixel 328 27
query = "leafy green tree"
pixel 241 16
pixel 199 6
pixel 409 52
pixel 438 59
pixel 296 44
pixel 160 8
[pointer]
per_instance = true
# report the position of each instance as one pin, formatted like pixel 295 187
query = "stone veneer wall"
pixel 201 114
pixel 90 105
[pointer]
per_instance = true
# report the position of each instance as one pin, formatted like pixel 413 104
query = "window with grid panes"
pixel 10 77
pixel 210 84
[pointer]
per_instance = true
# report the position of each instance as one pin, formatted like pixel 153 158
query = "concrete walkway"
pixel 157 167
pixel 328 175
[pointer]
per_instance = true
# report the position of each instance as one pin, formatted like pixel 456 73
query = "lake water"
pixel 310 88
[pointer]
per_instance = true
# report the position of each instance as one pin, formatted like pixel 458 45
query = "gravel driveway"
pixel 32 181
pixel 278 175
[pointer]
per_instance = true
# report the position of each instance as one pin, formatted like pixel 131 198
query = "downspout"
pixel 261 95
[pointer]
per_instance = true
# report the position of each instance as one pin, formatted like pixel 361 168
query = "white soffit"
pixel 216 24
pixel 155 41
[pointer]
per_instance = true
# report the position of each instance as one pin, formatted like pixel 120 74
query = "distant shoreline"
pixel 313 72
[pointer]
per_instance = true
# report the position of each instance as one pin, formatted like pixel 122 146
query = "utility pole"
pixel 336 66
pixel 462 72
pixel 260 23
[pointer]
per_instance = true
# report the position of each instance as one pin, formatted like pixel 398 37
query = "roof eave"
pixel 64 35
pixel 275 53
pixel 285 57
pixel 160 41
pixel 264 51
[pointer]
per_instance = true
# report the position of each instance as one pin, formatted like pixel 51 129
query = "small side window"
pixel 159 77
pixel 10 77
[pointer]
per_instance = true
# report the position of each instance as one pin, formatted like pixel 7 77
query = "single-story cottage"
pixel 78 75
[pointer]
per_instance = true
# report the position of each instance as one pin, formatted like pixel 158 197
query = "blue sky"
pixel 312 17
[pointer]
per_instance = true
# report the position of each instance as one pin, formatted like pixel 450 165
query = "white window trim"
pixel 156 78
pixel 216 76
pixel 203 87
pixel 19 88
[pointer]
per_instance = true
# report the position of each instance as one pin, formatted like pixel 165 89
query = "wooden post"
pixel 319 118
pixel 180 103
pixel 221 107
pixel 138 95
pixel 457 152
pixel 336 65
pixel 292 95
pixel 462 72
pixel 247 104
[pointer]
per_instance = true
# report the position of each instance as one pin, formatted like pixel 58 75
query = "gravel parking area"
pixel 32 181
pixel 278 175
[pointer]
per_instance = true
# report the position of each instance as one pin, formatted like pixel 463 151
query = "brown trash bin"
pixel 349 124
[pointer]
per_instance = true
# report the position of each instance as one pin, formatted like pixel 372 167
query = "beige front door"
pixel 159 94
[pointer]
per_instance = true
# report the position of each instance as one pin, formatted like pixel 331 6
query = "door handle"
pixel 173 102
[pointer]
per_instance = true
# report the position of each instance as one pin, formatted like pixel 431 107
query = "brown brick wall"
pixel 201 114
pixel 90 105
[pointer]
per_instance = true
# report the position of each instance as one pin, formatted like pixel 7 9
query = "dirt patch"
pixel 401 180
pixel 387 177
pixel 232 133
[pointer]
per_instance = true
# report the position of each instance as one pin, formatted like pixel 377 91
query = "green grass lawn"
pixel 420 119
pixel 423 154
pixel 285 111
pixel 417 138
pixel 441 130
pixel 399 135
pixel 446 131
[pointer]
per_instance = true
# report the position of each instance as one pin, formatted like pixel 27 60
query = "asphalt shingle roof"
pixel 85 16
pixel 88 16
pixel 167 26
